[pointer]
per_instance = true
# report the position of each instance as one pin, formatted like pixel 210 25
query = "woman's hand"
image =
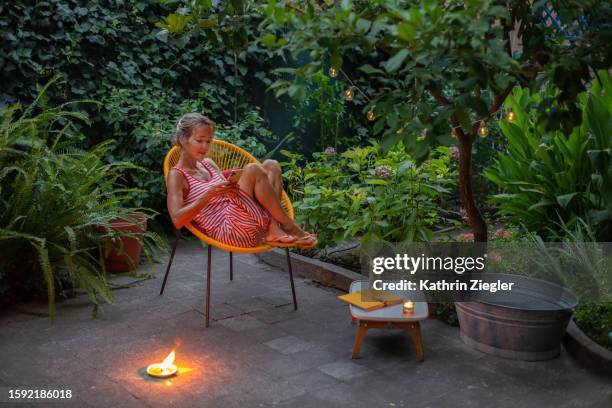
pixel 234 175
pixel 219 188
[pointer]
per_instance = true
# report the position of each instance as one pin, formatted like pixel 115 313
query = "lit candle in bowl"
pixel 164 369
pixel 408 307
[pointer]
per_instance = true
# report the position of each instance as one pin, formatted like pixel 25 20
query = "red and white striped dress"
pixel 233 217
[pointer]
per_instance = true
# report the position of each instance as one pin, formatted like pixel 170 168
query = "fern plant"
pixel 57 201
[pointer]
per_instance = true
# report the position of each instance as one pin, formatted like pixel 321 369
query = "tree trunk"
pixel 478 224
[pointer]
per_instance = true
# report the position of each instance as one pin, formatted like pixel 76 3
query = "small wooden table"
pixel 392 317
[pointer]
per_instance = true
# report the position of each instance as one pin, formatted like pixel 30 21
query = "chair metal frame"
pixel 226 156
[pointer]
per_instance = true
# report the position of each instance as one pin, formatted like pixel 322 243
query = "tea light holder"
pixel 164 369
pixel 408 307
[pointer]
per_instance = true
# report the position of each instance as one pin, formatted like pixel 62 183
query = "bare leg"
pixel 256 182
pixel 275 175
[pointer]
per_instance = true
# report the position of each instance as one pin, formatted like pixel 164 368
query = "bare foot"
pixel 292 228
pixel 277 235
pixel 307 241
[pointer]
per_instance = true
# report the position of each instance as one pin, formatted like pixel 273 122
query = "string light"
pixel 510 116
pixel 371 115
pixel 482 130
pixel 423 135
pixel 349 93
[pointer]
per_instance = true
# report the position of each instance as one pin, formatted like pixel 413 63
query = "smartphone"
pixel 234 175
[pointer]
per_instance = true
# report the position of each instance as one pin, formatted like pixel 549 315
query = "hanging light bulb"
pixel 423 135
pixel 348 94
pixel 333 72
pixel 482 130
pixel 371 115
pixel 510 115
pixel 454 134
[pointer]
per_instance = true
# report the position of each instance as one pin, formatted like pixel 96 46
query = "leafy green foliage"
pixel 321 104
pixel 547 176
pixel 113 52
pixel 434 60
pixel 595 320
pixel 368 193
pixel 446 312
pixel 56 202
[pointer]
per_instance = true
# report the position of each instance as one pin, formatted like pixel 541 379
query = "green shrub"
pixel 56 202
pixel 365 192
pixel 548 177
pixel 595 320
pixel 96 46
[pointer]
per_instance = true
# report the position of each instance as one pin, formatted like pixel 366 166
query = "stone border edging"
pixel 326 273
pixel 586 352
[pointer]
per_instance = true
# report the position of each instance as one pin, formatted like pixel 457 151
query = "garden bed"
pixel 588 353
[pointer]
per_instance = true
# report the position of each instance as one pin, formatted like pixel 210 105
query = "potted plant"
pixel 124 253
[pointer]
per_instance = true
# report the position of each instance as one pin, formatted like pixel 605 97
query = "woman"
pixel 243 213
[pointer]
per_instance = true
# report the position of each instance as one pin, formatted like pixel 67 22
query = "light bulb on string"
pixel 482 130
pixel 423 135
pixel 510 116
pixel 333 72
pixel 348 94
pixel 371 115
pixel 454 134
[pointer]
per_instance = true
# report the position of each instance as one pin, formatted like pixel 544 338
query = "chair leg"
pixel 178 236
pixel 231 266
pixel 208 268
pixel 291 278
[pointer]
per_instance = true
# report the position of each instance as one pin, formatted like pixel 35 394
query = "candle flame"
pixel 165 365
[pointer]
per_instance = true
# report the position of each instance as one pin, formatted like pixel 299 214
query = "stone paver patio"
pixel 259 352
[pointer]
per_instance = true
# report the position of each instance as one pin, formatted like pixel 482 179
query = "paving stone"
pixel 241 323
pixel 273 392
pixel 259 352
pixel 275 314
pixel 289 344
pixel 344 370
pixel 312 379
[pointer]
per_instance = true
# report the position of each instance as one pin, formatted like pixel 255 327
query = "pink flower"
pixel 494 256
pixel 455 152
pixel 465 237
pixel 501 233
pixel 330 151
pixel 383 172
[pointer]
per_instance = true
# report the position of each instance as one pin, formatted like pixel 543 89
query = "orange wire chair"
pixel 226 156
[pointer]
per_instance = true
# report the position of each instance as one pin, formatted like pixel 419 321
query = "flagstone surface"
pixel 259 352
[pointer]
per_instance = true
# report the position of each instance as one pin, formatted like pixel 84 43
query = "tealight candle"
pixel 164 369
pixel 408 307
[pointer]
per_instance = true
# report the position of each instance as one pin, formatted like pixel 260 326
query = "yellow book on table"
pixel 383 299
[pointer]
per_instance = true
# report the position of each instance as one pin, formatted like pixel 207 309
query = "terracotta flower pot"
pixel 116 262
